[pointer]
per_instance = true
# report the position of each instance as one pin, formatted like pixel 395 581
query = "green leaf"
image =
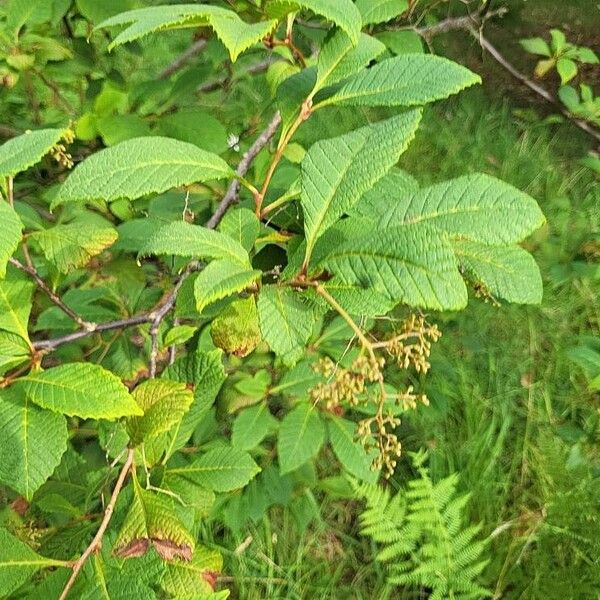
pixel 152 521
pixel 204 373
pixel 221 470
pixel 477 207
pixel 301 435
pixel 567 69
pixel 543 67
pixel 254 386
pixel 11 227
pixel 140 166
pixel 14 350
pixel 286 320
pixel 18 563
pixel 559 40
pixel 99 11
pixel 570 98
pixel 341 12
pixel 115 129
pixel 378 201
pixel 15 303
pixel 179 335
pixel 193 579
pixel 352 455
pixel 236 35
pixel 80 389
pixel 17 13
pixel 72 246
pixel 380 11
pixel 537 46
pixel 251 426
pixel 507 272
pixel 220 279
pixel 338 171
pixel 242 225
pixel 24 151
pixel 401 42
pixel 184 239
pixel 340 57
pixel 297 380
pixel 163 403
pixel 292 92
pixel 359 301
pixel 134 234
pixel 236 329
pixel 412 264
pixel 587 55
pixel 32 442
pixel 196 127
pixel 407 80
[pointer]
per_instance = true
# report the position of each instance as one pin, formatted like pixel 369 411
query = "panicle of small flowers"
pixel 411 345
pixel 409 400
pixel 346 385
pixel 377 432
pixel 59 151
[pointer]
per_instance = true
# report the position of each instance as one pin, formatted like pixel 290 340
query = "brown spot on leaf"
pixel 134 549
pixel 20 505
pixel 168 550
pixel 211 578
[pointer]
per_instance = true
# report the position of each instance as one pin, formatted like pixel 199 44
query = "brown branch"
pixel 32 272
pixel 156 316
pixel 474 25
pixel 51 344
pixel 475 19
pixel 254 69
pixel 159 314
pixel 195 49
pixel 173 347
pixel 55 89
pixel 232 192
pixel 538 89
pixel 230 198
pixel 96 543
pixel 305 112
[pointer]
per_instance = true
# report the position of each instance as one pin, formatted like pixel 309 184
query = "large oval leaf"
pixel 80 389
pixel 140 166
pixel 32 442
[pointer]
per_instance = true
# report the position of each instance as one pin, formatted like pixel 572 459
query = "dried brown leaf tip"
pixel 166 549
pixel 211 578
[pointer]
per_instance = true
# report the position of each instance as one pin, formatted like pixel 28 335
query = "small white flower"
pixel 233 141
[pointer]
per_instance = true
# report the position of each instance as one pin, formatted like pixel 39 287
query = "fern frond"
pixel 424 538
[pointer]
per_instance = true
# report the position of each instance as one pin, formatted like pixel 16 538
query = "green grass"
pixel 508 410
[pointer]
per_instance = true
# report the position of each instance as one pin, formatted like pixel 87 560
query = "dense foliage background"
pixel 510 434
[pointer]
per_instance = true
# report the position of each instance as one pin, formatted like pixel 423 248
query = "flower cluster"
pixel 59 151
pixel 346 385
pixel 408 346
pixel 412 343
pixel 377 433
